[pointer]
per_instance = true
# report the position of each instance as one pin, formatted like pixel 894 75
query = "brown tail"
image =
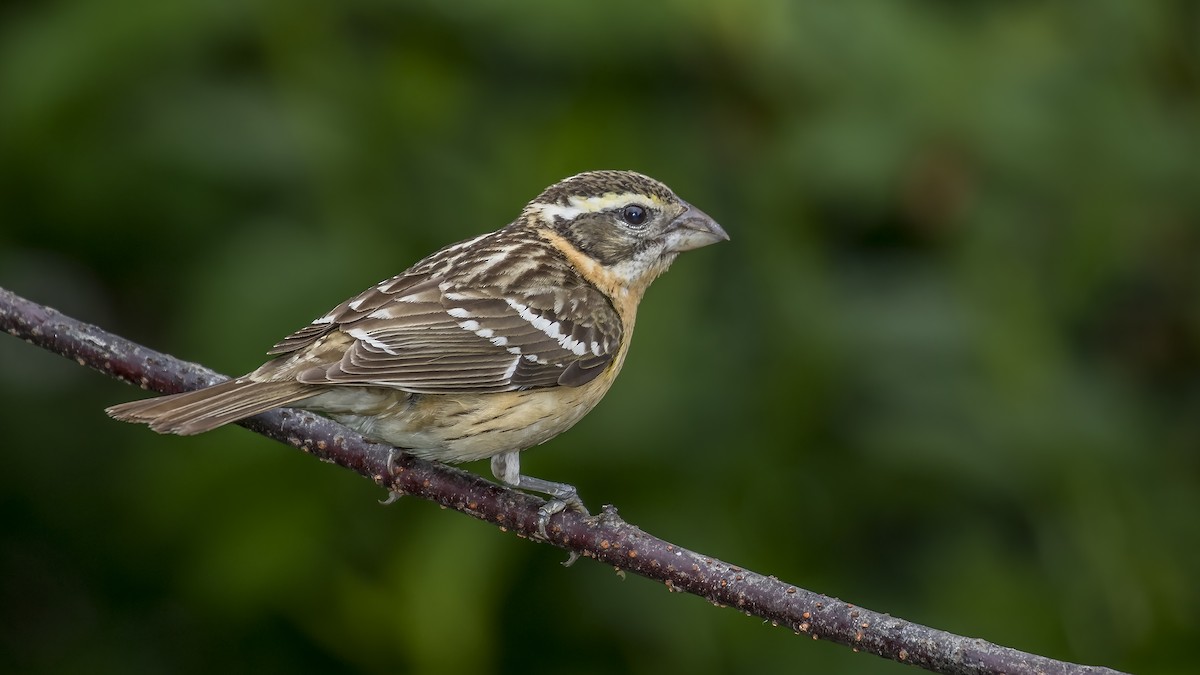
pixel 194 412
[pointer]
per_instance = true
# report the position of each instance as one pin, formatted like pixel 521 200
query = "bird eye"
pixel 633 214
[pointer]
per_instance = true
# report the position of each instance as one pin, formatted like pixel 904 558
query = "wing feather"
pixel 444 327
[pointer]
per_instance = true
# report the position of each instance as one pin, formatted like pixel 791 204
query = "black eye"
pixel 633 214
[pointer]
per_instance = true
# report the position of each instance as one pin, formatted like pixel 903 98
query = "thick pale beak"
pixel 692 229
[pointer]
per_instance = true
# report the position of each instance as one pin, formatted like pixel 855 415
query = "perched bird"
pixel 484 348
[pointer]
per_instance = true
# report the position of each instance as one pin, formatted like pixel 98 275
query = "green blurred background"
pixel 947 368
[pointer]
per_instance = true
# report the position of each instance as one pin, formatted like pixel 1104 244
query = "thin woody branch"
pixel 605 538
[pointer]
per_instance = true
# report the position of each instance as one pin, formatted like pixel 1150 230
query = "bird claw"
pixel 394 495
pixel 546 510
pixel 558 505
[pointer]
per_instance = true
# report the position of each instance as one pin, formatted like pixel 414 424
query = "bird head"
pixel 629 224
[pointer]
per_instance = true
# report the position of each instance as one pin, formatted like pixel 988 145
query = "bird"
pixel 484 348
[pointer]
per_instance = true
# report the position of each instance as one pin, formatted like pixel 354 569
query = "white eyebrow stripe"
pixel 577 205
pixel 360 334
pixel 610 200
pixel 560 211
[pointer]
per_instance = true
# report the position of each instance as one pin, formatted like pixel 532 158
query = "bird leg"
pixel 507 468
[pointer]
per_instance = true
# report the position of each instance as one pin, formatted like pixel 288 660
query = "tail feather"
pixel 194 412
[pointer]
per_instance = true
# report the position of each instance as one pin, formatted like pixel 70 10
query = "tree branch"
pixel 605 538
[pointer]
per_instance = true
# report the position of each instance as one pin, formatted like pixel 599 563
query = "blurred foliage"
pixel 947 368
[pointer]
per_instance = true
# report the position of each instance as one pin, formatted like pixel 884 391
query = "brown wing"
pixel 448 326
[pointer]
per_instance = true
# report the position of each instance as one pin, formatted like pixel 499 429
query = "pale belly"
pixel 460 428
